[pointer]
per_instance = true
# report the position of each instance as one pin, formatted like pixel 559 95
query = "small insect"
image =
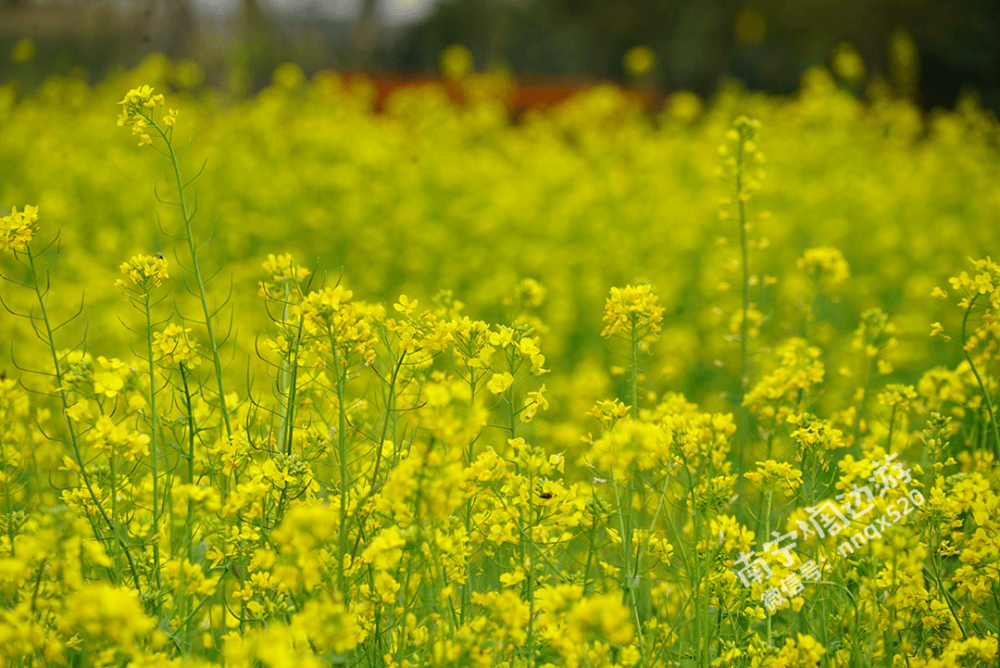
pixel 159 255
pixel 546 495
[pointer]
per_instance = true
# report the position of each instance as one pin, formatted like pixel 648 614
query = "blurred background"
pixel 946 48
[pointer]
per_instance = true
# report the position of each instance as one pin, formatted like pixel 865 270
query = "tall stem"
pixel 767 536
pixel 982 386
pixel 743 422
pixel 342 455
pixel 73 438
pixel 154 452
pixel 745 253
pixel 196 270
pixel 635 372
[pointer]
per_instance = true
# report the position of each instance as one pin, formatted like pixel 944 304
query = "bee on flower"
pixel 144 274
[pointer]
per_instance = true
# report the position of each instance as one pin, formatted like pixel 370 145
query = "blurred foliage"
pixel 952 46
pixel 765 43
pixel 306 468
pixel 431 194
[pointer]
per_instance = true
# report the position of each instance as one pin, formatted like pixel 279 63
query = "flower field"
pixel 291 381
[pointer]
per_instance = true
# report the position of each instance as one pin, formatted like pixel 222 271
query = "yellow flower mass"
pixel 321 436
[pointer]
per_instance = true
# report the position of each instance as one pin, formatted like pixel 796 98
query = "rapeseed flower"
pixel 632 308
pixel 144 273
pixel 18 228
pixel 393 485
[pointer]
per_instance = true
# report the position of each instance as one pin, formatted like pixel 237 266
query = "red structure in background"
pixel 520 98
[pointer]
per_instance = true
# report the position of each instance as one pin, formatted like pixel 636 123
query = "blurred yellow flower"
pixel 639 60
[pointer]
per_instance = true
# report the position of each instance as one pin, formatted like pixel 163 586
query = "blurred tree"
pixel 252 58
pixel 765 43
pixel 366 32
pixel 170 26
pixel 696 43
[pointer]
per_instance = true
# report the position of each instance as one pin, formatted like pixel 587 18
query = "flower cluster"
pixel 174 347
pixel 144 274
pixel 139 110
pixel 633 309
pixel 825 265
pixel 772 475
pixel 18 229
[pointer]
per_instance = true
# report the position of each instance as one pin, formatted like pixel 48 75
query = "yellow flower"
pixel 23 51
pixel 338 326
pixel 138 100
pixel 18 228
pixel 513 578
pixel 405 305
pixel 108 383
pixel 78 411
pixel 329 625
pixel 145 272
pixel 600 617
pixel 847 63
pixel 138 106
pixel 106 616
pixel 825 265
pixel 501 338
pixel 534 402
pixel 803 652
pixel 114 440
pixel 456 62
pixel 284 275
pixel 500 382
pixel 385 550
pixel 815 438
pixel 897 395
pixel 639 60
pixel 633 308
pixel 174 346
pixel 776 475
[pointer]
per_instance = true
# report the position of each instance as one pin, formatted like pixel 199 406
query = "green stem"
pixel 341 375
pixel 189 519
pixel 529 564
pixel 982 385
pixel 73 438
pixel 154 452
pixel 114 509
pixel 767 536
pixel 743 415
pixel 745 254
pixel 196 270
pixel 512 414
pixel 635 372
pixel 947 596
pixel 288 382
